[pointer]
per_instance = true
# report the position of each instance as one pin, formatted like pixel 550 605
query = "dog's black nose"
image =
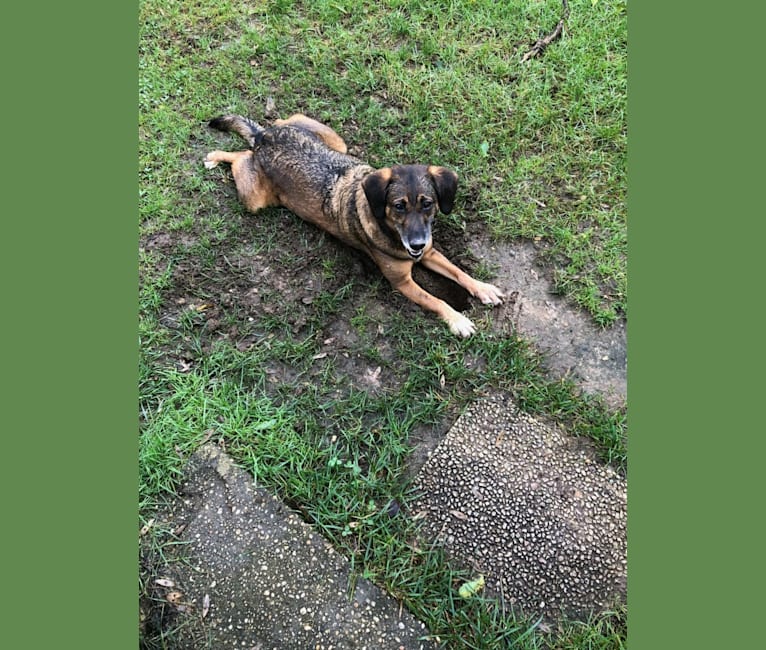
pixel 417 246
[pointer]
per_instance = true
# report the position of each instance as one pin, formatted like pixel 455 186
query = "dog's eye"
pixel 426 203
pixel 399 206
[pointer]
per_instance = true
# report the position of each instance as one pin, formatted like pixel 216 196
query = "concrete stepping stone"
pixel 528 508
pixel 264 579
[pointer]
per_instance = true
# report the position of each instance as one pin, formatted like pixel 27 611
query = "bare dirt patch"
pixel 285 270
pixel 311 286
pixel 573 346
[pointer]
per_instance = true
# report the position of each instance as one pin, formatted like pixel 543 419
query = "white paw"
pixel 209 164
pixel 489 294
pixel 462 326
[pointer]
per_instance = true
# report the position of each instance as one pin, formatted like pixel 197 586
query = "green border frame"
pixel 695 568
pixel 70 312
pixel 70 338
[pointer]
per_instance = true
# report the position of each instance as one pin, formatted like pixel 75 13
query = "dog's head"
pixel 405 198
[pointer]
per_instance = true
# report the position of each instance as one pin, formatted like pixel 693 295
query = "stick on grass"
pixel 539 47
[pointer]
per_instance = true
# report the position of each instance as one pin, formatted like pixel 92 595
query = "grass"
pixel 540 150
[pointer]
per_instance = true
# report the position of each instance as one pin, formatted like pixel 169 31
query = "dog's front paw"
pixel 210 162
pixel 461 326
pixel 489 294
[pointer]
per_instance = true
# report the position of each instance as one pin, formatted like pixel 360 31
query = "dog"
pixel 388 213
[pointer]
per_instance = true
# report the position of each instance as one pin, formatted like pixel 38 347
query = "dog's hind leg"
pixel 322 131
pixel 253 188
pixel 215 157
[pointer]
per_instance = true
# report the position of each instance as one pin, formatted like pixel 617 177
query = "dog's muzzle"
pixel 415 251
pixel 415 243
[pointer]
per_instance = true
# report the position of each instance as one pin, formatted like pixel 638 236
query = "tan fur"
pixel 330 138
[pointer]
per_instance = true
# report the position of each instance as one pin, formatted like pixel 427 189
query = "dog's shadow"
pixel 450 292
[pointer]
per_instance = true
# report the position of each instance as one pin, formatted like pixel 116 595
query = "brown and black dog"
pixel 302 165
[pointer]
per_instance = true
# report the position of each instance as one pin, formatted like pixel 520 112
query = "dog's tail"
pixel 246 128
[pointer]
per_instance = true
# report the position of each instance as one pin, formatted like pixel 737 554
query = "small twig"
pixel 539 47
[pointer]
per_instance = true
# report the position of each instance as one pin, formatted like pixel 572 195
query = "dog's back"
pixel 303 171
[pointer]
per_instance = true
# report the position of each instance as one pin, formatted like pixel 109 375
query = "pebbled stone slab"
pixel 269 580
pixel 529 508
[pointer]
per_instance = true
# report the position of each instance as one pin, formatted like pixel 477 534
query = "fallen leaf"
pixel 165 582
pixel 146 527
pixel 471 588
pixel 460 515
pixel 372 377
pixel 174 597
pixel 205 605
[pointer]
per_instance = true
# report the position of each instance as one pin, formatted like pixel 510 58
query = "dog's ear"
pixel 375 186
pixel 445 183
